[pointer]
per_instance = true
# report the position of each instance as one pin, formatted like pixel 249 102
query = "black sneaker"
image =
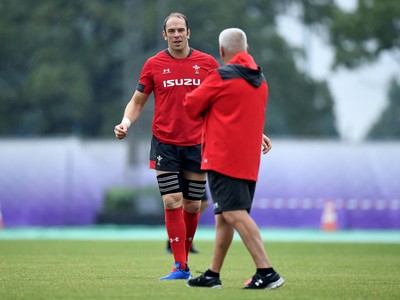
pixel 193 250
pixel 269 282
pixel 205 281
pixel 168 250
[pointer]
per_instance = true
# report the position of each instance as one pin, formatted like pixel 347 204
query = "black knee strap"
pixel 193 189
pixel 168 183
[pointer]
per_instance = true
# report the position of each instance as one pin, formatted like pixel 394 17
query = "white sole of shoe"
pixel 275 284
pixel 210 287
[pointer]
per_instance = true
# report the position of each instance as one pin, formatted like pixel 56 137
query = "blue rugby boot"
pixel 177 273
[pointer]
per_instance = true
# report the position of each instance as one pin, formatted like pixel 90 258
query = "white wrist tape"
pixel 126 121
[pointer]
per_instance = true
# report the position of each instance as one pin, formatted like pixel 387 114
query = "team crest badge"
pixel 196 69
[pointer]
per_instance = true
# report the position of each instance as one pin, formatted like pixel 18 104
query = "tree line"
pixel 69 67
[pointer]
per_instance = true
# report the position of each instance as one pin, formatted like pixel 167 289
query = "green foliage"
pixel 60 269
pixel 119 200
pixel 61 62
pixel 358 36
pixel 388 126
pixel 56 66
pixel 361 36
pixel 122 205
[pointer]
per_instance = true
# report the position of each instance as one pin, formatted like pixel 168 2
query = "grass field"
pixel 65 269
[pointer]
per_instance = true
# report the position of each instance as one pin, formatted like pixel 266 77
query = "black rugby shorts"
pixel 167 157
pixel 230 193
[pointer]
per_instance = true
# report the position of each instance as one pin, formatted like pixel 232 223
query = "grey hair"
pixel 233 40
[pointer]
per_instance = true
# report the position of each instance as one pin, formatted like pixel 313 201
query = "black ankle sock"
pixel 210 273
pixel 265 271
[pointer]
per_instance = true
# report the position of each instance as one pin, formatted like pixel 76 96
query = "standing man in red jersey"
pixel 233 101
pixel 175 148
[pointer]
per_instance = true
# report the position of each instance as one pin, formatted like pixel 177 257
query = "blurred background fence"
pixel 68 68
pixel 302 184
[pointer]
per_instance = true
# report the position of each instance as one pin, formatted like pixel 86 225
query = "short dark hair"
pixel 177 15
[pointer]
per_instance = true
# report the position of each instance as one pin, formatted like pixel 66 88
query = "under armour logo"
pixel 190 239
pixel 216 205
pixel 159 158
pixel 196 69
pixel 166 71
pixel 171 240
pixel 258 282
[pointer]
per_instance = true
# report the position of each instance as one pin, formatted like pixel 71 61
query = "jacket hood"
pixel 244 65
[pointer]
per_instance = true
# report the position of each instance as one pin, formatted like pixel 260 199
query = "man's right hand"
pixel 121 131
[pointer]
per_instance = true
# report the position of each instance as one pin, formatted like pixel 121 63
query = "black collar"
pixel 168 53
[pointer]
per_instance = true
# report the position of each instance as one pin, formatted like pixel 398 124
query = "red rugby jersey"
pixel 170 79
pixel 233 99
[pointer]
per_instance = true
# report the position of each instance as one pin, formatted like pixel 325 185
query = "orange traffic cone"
pixel 329 217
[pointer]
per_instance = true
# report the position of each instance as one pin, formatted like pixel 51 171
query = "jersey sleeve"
pixel 146 83
pixel 213 64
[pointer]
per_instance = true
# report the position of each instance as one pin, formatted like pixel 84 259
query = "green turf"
pixel 129 270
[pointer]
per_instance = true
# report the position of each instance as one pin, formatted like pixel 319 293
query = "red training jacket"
pixel 233 100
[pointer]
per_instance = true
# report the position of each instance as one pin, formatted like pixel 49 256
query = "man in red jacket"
pixel 233 101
